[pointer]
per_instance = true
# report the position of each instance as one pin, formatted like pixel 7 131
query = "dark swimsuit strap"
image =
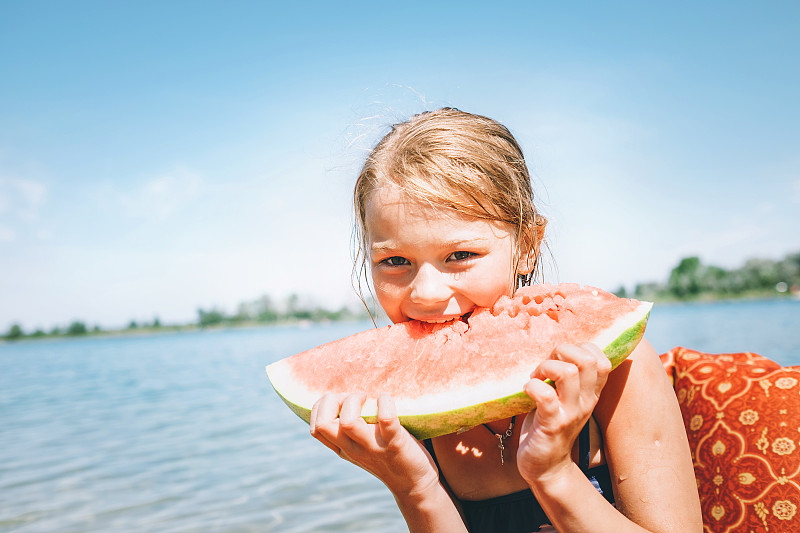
pixel 429 446
pixel 584 448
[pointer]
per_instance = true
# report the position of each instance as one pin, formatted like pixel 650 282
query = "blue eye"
pixel 460 256
pixel 396 261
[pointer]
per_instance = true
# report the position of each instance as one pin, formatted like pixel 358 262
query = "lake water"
pixel 183 433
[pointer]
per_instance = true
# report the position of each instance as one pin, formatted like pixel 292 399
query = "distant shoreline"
pixel 191 328
pixel 166 330
pixel 711 299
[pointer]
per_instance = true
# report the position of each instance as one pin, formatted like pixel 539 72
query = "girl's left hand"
pixel 548 433
pixel 384 449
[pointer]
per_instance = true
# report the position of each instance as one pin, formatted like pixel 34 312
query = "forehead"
pixel 390 203
pixel 390 212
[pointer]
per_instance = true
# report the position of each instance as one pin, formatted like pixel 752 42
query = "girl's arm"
pixel 644 440
pixel 646 445
pixel 390 453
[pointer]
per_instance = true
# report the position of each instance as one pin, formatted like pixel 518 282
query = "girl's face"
pixel 434 265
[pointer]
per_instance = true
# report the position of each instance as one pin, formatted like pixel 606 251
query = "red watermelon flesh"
pixel 461 373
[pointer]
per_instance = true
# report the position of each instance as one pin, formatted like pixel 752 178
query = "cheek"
pixel 391 303
pixel 490 293
pixel 494 282
pixel 384 299
pixel 386 293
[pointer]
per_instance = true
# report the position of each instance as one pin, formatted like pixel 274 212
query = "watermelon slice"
pixel 457 375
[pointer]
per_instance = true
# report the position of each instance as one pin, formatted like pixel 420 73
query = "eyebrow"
pixel 389 246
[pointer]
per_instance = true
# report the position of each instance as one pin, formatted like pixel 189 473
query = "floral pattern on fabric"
pixel 742 416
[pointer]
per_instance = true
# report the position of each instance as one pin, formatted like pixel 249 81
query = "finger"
pixel 389 428
pixel 593 367
pixel 328 444
pixel 602 365
pixel 578 355
pixel 600 359
pixel 545 396
pixel 348 433
pixel 325 410
pixel 603 362
pixel 350 421
pixel 565 376
pixel 323 421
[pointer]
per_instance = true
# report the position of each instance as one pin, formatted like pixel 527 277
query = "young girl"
pixel 446 222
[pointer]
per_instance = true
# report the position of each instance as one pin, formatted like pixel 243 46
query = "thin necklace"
pixel 502 436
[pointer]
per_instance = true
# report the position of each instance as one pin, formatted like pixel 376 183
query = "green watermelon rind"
pixel 431 425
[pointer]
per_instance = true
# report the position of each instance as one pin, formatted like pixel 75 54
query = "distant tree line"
pixel 692 280
pixel 264 310
pixel 76 328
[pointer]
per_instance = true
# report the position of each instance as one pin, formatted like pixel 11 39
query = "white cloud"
pixel 6 234
pixel 32 193
pixel 21 200
pixel 164 194
pixel 21 196
pixel 764 208
pixel 726 245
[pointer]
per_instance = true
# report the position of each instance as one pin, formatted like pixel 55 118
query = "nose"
pixel 430 285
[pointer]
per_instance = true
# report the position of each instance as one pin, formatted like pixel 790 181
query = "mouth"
pixel 445 319
pixel 437 320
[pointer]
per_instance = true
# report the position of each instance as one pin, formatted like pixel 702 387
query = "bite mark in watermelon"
pixel 457 375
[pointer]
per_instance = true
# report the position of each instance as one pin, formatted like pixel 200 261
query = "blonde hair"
pixel 455 160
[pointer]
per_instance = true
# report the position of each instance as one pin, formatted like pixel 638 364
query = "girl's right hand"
pixel 579 373
pixel 386 449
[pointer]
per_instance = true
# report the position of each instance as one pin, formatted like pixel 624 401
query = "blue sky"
pixel 157 157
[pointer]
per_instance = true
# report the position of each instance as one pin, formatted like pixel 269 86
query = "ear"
pixel 530 244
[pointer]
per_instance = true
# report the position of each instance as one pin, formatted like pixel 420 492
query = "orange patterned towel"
pixel 742 417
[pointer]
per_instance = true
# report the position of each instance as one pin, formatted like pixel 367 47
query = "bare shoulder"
pixel 645 444
pixel 640 377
